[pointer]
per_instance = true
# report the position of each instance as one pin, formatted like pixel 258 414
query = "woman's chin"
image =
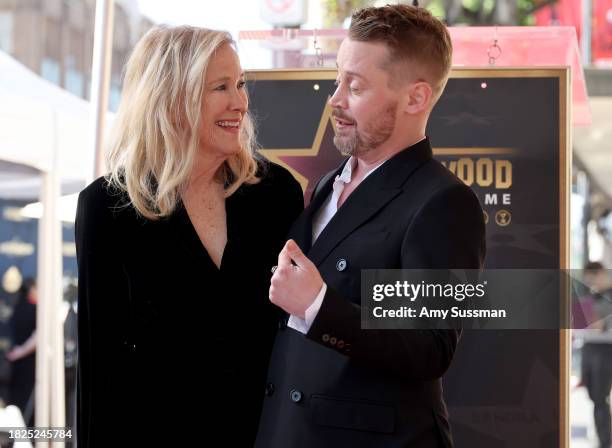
pixel 224 151
pixel 233 150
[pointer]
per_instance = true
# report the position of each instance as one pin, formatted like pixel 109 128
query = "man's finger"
pixel 296 254
pixel 284 259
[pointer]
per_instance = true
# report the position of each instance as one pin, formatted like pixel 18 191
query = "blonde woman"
pixel 175 247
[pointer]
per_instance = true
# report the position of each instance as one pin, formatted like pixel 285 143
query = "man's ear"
pixel 418 98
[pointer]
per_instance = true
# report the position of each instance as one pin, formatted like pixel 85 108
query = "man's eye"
pixel 241 84
pixel 221 87
pixel 354 89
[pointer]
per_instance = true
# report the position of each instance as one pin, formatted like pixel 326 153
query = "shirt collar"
pixel 347 172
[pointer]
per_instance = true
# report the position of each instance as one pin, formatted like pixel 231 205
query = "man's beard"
pixel 374 133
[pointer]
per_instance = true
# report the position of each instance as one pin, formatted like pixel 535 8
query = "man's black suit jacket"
pixel 339 385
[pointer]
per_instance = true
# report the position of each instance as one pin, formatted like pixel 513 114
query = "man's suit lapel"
pixel 301 231
pixel 376 191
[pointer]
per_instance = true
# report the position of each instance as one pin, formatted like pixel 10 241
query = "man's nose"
pixel 338 99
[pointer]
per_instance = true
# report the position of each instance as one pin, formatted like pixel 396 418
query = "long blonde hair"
pixel 155 136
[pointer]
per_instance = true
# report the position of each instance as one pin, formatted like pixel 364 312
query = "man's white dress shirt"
pixel 321 218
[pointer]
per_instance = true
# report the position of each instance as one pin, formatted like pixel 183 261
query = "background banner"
pixel 504 132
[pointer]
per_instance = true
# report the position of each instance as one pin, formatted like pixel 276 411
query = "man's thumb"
pixel 297 255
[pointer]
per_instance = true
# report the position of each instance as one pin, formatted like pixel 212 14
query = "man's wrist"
pixel 303 324
pixel 311 312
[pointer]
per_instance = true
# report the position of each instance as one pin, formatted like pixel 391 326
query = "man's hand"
pixel 294 286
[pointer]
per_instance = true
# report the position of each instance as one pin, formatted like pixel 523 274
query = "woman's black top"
pixel 172 348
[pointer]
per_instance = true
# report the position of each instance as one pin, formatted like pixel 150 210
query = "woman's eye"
pixel 241 84
pixel 221 87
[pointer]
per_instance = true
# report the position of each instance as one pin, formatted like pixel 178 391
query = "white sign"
pixel 284 12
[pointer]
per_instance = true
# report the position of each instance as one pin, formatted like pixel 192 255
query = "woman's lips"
pixel 232 126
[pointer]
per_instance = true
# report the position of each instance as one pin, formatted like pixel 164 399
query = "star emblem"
pixel 308 165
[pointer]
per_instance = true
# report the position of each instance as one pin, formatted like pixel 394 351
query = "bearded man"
pixel 389 206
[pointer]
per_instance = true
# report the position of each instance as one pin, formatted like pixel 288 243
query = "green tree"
pixel 335 12
pixel 453 12
pixel 489 12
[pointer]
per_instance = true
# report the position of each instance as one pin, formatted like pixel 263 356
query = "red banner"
pixel 602 32
pixel 569 13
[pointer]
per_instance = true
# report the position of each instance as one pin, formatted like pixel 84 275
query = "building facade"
pixel 54 38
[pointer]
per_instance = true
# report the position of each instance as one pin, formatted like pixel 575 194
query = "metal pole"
pixel 55 326
pixel 100 82
pixel 587 27
pixel 43 353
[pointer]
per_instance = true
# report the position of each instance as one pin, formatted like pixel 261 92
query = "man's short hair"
pixel 418 43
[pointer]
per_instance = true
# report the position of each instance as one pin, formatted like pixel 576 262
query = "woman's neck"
pixel 204 173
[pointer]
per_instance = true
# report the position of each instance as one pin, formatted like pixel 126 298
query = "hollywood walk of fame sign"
pixel 505 133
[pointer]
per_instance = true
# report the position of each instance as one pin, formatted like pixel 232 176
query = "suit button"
pixel 332 341
pixel 325 337
pixel 269 389
pixel 341 264
pixel 296 396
